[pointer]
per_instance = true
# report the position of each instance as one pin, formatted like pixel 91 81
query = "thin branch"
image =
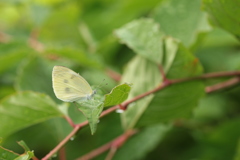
pixel 162 86
pixel 111 153
pixel 69 120
pixel 230 82
pixel 62 153
pixel 116 143
pixel 208 75
pixel 65 140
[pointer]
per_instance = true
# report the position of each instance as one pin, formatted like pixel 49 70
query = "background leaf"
pixel 153 134
pixel 24 109
pixel 183 20
pixel 224 14
pixel 144 37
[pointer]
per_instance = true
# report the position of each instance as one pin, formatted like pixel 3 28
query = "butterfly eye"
pixel 65 81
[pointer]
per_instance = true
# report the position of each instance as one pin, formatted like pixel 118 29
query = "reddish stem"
pixel 162 86
pixel 69 120
pixel 221 85
pixel 116 143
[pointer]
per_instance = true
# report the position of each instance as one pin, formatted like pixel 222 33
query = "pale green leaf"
pixel 183 19
pixel 145 76
pixel 118 95
pixel 91 110
pixel 176 101
pixel 144 37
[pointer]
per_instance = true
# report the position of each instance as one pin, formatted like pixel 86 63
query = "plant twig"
pixel 160 87
pixel 111 153
pixel 116 143
pixel 65 140
pixel 228 83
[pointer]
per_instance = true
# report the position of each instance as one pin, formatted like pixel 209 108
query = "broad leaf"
pixel 144 37
pixel 91 110
pixel 24 109
pixel 35 74
pixel 224 14
pixel 11 54
pixel 145 76
pixel 118 95
pixel 183 19
pixel 174 102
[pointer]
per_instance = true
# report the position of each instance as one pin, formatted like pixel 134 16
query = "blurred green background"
pixel 35 35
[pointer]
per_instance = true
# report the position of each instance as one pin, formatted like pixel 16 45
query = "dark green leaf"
pixel 142 143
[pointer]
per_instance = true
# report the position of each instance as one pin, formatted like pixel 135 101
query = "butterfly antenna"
pixel 100 85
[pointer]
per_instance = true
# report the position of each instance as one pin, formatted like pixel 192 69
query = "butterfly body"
pixel 69 86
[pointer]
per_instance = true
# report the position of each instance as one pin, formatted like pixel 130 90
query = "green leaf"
pixel 183 19
pixel 26 156
pixel 138 146
pixel 6 154
pixel 11 55
pixel 224 14
pixel 24 146
pixel 118 95
pixel 91 110
pixel 35 74
pixel 182 64
pixel 204 113
pixel 176 101
pixel 221 141
pixel 145 76
pixel 144 37
pixel 24 109
pixel 112 15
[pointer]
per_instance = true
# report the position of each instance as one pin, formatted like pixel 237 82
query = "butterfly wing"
pixel 69 86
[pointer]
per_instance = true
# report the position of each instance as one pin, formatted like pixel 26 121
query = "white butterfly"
pixel 69 86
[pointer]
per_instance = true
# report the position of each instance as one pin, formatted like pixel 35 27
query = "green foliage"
pixel 144 37
pixel 135 39
pixel 7 154
pixel 118 95
pixel 224 14
pixel 24 109
pixel 183 20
